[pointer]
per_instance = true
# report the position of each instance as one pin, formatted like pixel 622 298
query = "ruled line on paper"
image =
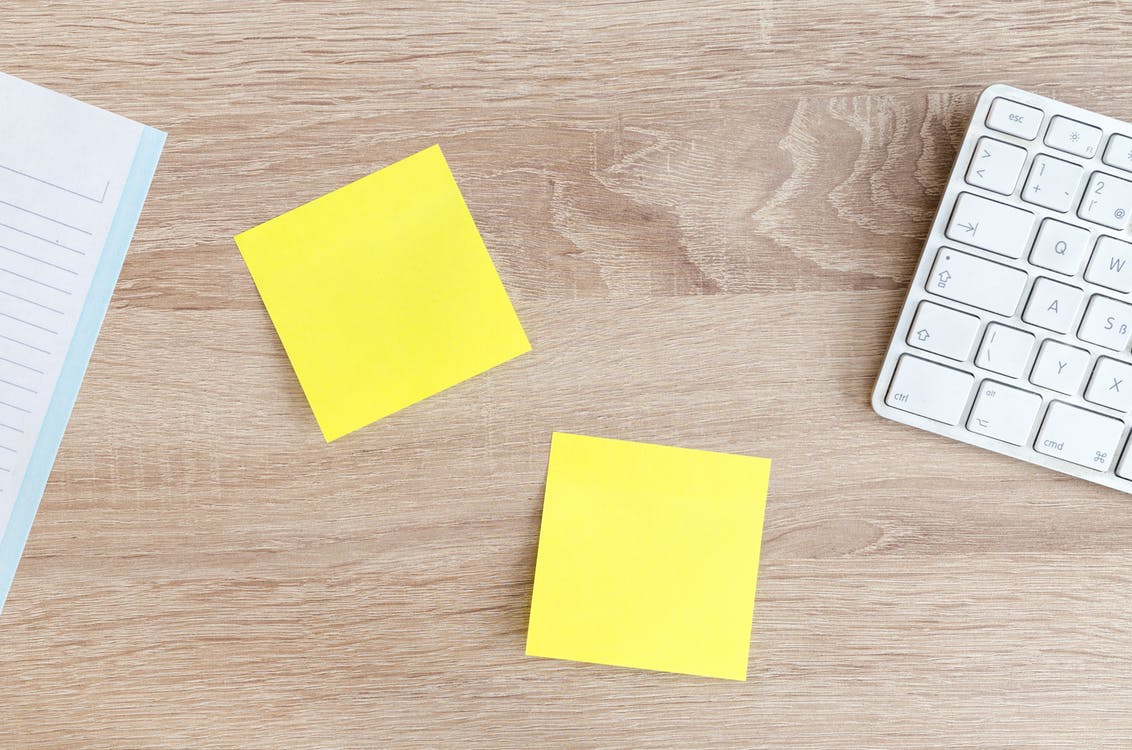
pixel 23 365
pixel 45 216
pixel 56 243
pixel 17 385
pixel 10 427
pixel 18 319
pixel 17 408
pixel 8 448
pixel 40 260
pixel 24 343
pixel 58 187
pixel 31 302
pixel 34 281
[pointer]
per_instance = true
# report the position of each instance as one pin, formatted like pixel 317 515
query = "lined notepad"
pixel 72 181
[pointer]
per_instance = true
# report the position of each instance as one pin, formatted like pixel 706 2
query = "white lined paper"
pixel 63 167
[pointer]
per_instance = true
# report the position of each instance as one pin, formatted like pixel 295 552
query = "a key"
pixel 1053 305
pixel 1079 436
pixel 1107 323
pixel 1052 183
pixel 975 281
pixel 990 225
pixel 1111 264
pixel 996 165
pixel 944 331
pixel 930 390
pixel 1059 367
pixel 1005 350
pixel 1073 137
pixel 1118 153
pixel 1111 384
pixel 1004 413
pixel 1106 201
pixel 1059 247
pixel 1007 116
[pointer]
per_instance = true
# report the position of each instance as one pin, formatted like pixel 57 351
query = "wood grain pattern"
pixel 707 215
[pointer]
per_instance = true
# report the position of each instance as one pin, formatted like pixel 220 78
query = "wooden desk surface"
pixel 707 215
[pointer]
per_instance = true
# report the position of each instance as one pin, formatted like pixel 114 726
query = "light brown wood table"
pixel 707 215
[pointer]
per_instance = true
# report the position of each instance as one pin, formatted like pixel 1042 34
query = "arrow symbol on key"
pixel 970 226
pixel 944 276
pixel 923 334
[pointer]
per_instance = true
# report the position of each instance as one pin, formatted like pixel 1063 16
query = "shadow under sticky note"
pixel 382 293
pixel 648 556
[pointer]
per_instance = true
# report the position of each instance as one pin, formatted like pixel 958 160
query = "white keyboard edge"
pixel 956 184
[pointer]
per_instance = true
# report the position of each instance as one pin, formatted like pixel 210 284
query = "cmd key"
pixel 1080 436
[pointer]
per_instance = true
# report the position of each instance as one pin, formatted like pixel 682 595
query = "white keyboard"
pixel 1015 334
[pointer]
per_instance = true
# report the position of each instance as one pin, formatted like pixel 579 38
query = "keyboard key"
pixel 1079 436
pixel 1053 305
pixel 1005 350
pixel 1111 264
pixel 1059 247
pixel 1004 413
pixel 1073 137
pixel 1124 468
pixel 1111 384
pixel 1052 183
pixel 946 332
pixel 1059 367
pixel 977 282
pixel 1008 116
pixel 990 225
pixel 1106 201
pixel 930 390
pixel 1118 153
pixel 996 165
pixel 1107 323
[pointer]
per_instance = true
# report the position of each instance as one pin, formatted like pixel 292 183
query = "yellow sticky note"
pixel 382 293
pixel 648 556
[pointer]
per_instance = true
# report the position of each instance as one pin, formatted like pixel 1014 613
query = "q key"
pixel 1060 247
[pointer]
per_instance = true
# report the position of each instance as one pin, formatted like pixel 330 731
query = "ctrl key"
pixel 929 390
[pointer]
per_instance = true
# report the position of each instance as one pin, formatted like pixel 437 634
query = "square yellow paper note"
pixel 648 556
pixel 382 293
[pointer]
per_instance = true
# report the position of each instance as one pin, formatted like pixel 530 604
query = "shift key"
pixel 976 281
